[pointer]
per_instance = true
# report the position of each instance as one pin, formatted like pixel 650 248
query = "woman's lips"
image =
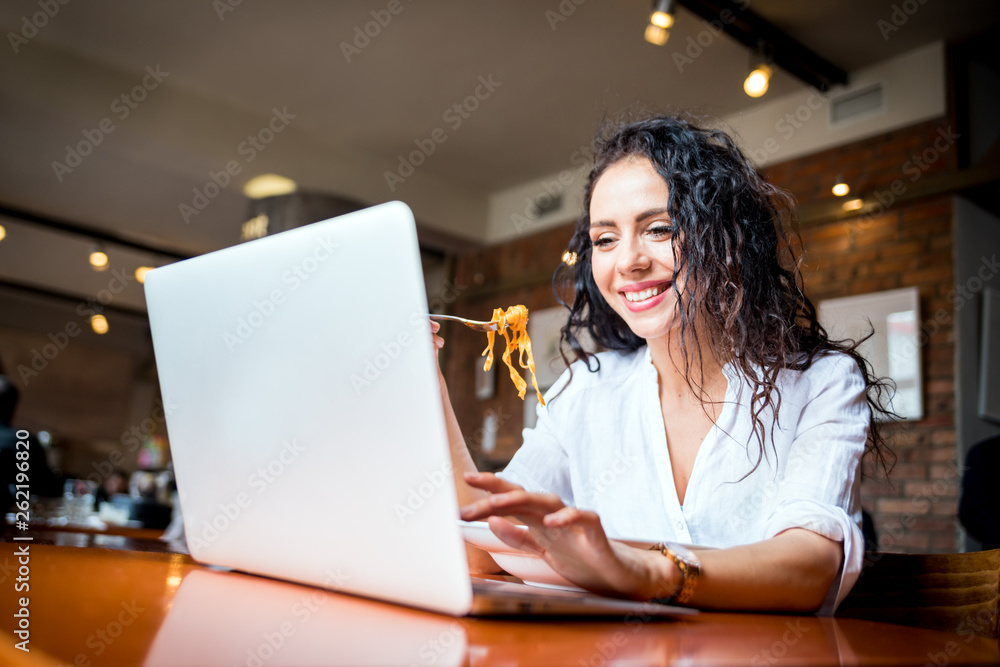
pixel 635 306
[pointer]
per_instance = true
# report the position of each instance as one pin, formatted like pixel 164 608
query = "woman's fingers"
pixel 512 536
pixel 568 516
pixel 518 503
pixel 487 481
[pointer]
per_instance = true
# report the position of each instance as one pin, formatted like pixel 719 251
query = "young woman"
pixel 721 414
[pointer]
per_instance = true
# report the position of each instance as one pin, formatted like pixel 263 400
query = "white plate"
pixel 524 565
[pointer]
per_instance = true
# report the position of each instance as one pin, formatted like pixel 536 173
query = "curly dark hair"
pixel 732 248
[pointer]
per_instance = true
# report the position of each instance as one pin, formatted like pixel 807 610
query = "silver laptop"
pixel 305 421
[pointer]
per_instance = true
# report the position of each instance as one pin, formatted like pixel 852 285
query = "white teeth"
pixel 644 294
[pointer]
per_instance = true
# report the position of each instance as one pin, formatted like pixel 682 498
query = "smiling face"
pixel 633 253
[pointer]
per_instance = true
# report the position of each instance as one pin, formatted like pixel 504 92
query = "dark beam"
pixel 936 185
pixel 91 232
pixel 749 28
pixel 70 299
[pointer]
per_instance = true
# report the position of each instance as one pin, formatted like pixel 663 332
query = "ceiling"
pixel 225 70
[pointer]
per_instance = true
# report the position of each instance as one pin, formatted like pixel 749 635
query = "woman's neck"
pixel 705 374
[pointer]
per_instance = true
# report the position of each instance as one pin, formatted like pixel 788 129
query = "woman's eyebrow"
pixel 651 212
pixel 602 223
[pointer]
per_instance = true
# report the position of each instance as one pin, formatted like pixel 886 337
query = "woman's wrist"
pixel 664 578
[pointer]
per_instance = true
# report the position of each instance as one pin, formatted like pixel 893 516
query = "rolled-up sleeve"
pixel 819 489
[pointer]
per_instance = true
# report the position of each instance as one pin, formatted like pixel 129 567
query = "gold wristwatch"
pixel 688 563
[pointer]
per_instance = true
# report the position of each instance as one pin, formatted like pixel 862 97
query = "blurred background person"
pixel 41 480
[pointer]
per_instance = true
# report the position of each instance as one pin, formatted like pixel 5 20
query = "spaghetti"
pixel 515 319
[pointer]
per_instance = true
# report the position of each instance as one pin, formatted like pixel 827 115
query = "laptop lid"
pixel 306 427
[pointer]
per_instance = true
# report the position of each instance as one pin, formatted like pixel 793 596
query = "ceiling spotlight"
pixel 660 21
pixel 853 204
pixel 140 273
pixel 99 324
pixel 98 258
pixel 841 188
pixel 663 14
pixel 268 185
pixel 757 81
pixel 759 77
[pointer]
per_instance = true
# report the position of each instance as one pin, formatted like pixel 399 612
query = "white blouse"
pixel 601 445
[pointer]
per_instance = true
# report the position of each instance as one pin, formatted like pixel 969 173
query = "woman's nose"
pixel 632 257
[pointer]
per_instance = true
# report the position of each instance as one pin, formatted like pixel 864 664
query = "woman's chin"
pixel 649 330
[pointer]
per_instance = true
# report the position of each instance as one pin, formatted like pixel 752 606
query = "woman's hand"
pixel 571 541
pixel 438 341
pixel 438 344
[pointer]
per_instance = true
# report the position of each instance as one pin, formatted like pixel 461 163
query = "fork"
pixel 472 324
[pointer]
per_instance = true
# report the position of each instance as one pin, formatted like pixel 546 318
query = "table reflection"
pixel 220 618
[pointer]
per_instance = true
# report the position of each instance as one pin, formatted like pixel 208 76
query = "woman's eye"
pixel 602 241
pixel 661 230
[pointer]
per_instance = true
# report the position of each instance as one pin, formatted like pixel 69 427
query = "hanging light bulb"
pixel 140 274
pixel 840 188
pixel 663 14
pixel 99 324
pixel 757 81
pixel 759 77
pixel 98 258
pixel 3 232
pixel 660 21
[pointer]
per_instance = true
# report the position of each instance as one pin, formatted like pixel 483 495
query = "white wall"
pixel 781 129
pixel 914 90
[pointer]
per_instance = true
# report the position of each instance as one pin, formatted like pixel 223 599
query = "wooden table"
pixel 92 606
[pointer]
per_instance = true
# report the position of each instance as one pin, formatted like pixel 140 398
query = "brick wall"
pixel 907 244
pixel 902 245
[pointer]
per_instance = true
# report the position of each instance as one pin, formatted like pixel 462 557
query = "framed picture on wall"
pixel 989 357
pixel 545 330
pixel 894 348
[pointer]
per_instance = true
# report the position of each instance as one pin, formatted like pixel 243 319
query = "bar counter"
pixel 95 606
